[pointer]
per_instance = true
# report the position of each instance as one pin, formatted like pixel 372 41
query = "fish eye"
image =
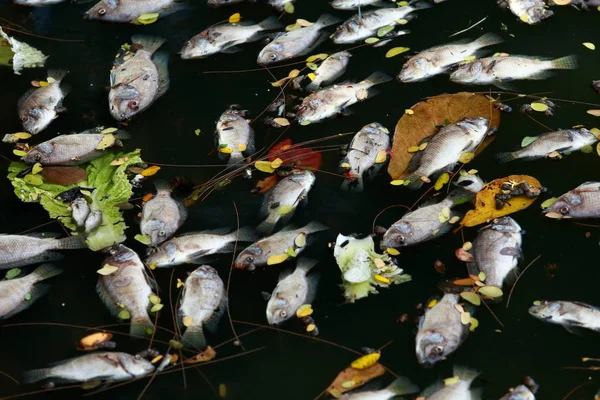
pixel 273 56
pixel 24 119
pixel 400 239
pixel 438 350
pixel 283 314
pixel 133 105
pixel 38 157
pixel 102 11
pixel 162 233
pixel 249 260
pixel 564 210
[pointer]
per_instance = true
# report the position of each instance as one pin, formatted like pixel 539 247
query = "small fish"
pixel 18 294
pixel 460 390
pixel 257 254
pixel 289 192
pixel 204 301
pixel 399 387
pixel 127 289
pixel 80 210
pixel 33 248
pixel 129 10
pixel 362 26
pixel 73 149
pixel 225 37
pixel 221 3
pixel 499 69
pixel 39 106
pixel 162 215
pixel 560 142
pixel 355 4
pixel 298 42
pixel 195 247
pixel 570 314
pixel 531 12
pixel 581 202
pixel 234 136
pixel 332 100
pixel 361 158
pixel 445 148
pixel 104 366
pixel 520 392
pixel 440 331
pixel 330 70
pixel 439 59
pixel 293 290
pixel 279 5
pixel 497 249
pixel 138 77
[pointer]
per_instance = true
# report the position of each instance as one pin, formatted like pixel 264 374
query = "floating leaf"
pixel 371 40
pixel 241 147
pixel 50 80
pixel 413 149
pixel 280 82
pixel 264 166
pixel 384 30
pixel 527 140
pixel 124 314
pixel 37 168
pixel 463 282
pixel 300 240
pixel 587 149
pixel 305 122
pixel 379 263
pixel 276 163
pixel 154 299
pixel 303 22
pixel 294 73
pixel 391 251
pixel 108 130
pixel 277 259
pixel 469 58
pixel 197 132
pixel 27 297
pixel 176 344
pixel 208 354
pixel 366 361
pixel 144 239
pixel 537 303
pixel 180 283
pixel 310 327
pixel 157 359
pixel 312 76
pixel 34 180
pixel 362 94
pixel 25 135
pixel 595 131
pixel 524 17
pixel 93 341
pixel 441 181
pixel 290 251
pixel 491 291
pixel 282 121
pixel 393 52
pixel 312 66
pixel 402 3
pixel 13 273
pixel 397 182
pixel 107 270
pixel 466 158
pixel 474 324
pixel 289 8
pixel 382 279
pixel 282 210
pixel 157 307
pixel 91 384
pixel 381 157
pixel 235 18
pixel 451 381
pixel 589 45
pixel 595 113
pixel 304 311
pixel 292 27
pixel 467 246
pixel 146 19
pixel 225 150
pixel 409 111
pixel 222 390
pixel 548 203
pixel 465 318
pixel 471 297
pixel 43 83
pixel 317 57
pixel 482 276
pixel 19 153
pixel 539 107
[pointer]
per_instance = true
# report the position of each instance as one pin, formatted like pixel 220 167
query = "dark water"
pixel 293 367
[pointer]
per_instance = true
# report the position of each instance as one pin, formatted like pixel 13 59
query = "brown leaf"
pixel 208 354
pixel 64 176
pixel 464 255
pixel 265 184
pixel 350 379
pixel 436 111
pixel 464 282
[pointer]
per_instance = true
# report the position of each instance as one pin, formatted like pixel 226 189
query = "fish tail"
pixel 327 20
pixel 71 243
pixel 194 337
pixel 313 86
pixel 271 23
pixel 402 386
pixel 465 374
pixel 57 73
pixel 568 62
pixel 162 185
pixel 505 157
pixel 36 375
pixel 148 43
pixel 489 39
pixel 267 226
pixel 46 271
pixel 140 325
pixel 245 234
pixel 377 77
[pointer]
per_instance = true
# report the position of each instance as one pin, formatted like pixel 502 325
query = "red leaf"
pixel 267 183
pixel 297 156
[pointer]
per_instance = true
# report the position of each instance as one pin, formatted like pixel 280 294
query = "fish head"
pixel 163 255
pixel 40 153
pixel 478 126
pixel 586 136
pixel 346 32
pixel 278 310
pixel 199 47
pixel 158 230
pixel 546 310
pixel 398 235
pixel 34 120
pixel 135 365
pixel 125 102
pixel 107 10
pixel 506 224
pixel 432 347
pixel 205 272
pixel 341 56
pixel 468 73
pixel 520 392
pixel 415 69
pixel 272 53
pixel 566 206
pixel 247 258
pixel 305 177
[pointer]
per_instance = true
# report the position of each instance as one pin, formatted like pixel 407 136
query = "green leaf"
pixel 527 140
pixel 28 296
pixel 144 239
pixel 371 40
pixel 587 149
pixel 471 297
pixel 548 203
pixel 288 8
pixel 384 30
pixel 282 210
pixel 124 314
pixel 13 273
pixel 175 344
pixel 290 251
pixel 33 180
pixel 491 291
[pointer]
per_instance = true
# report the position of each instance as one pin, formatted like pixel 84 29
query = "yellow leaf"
pixel 264 166
pixel 282 210
pixel 37 168
pixel 106 142
pixel 225 150
pixel 467 246
pixel 277 259
pixel 402 3
pixel 310 327
pixel 108 130
pixel 154 299
pixel 294 73
pixel 382 279
pixel 491 291
pixel 276 163
pixel 157 307
pixel 362 94
pixel 366 361
pixel 124 314
pixel 312 66
pixel 150 170
pixel 222 390
pixel 413 149
pixel 589 45
pixel 466 157
pixel 311 76
pixel 146 19
pixel 540 107
pixel 595 131
pixel 474 324
pixel 107 270
pixel 391 251
pixel 451 381
pixel 235 18
pixel 384 30
pixel 43 83
pixel 432 303
pixel 157 359
pixel 282 121
pixel 397 182
pixel 409 111
pixel 595 113
pixel 241 147
pixel 422 146
pixel 371 40
pixel 393 52
pixel 402 21
pixel 469 58
pixel 482 276
pixel 25 135
pixel 144 239
pixel 441 181
pixel 280 82
pixel 304 123
pixel 50 80
pixel 187 321
pixel 300 240
pixel 379 263
pixel 317 57
pixel 465 318
pixel 19 153
pixel 303 22
pixel 524 18
pixel 381 157
pixel 288 8
pixel 179 283
pixel 304 311
pixel 471 297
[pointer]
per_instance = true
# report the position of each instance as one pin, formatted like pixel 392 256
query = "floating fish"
pixel 458 387
pixel 130 10
pixel 355 4
pixel 581 202
pixel 37 3
pixel 234 136
pixel 32 248
pixel 330 70
pixel 531 12
pixel 570 314
pixel 399 387
pixel 162 215
pixel 520 392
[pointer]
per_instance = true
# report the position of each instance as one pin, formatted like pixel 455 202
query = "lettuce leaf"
pixel 112 188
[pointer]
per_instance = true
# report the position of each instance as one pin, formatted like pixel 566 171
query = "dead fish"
pixel 330 70
pixel 234 136
pixel 560 142
pixel 74 149
pixel 281 201
pixel 332 100
pixel 162 215
pixel 298 42
pixel 293 290
pixel 138 78
pixel 127 289
pixel 203 303
pixel 129 10
pixel 497 70
pixel 18 294
pixel 225 38
pixel 570 314
pixel 37 3
pixel 221 3
pixel 195 247
pixel 32 248
pixel 361 158
pixel 444 149
pixel 520 392
pixel 257 254
pixel 362 26
pixel 460 390
pixel 439 59
pixel 104 366
pixel 355 4
pixel 80 210
pixel 440 331
pixel 279 5
pixel 497 249
pixel 93 221
pixel 39 106
pixel 581 202
pixel 531 12
pixel 399 387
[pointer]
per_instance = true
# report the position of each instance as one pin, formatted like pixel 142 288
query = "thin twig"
pixel 490 310
pixel 519 277
pixel 6 28
pixel 469 28
pixel 9 377
pixel 539 123
pixel 577 388
pixel 384 210
pixel 237 218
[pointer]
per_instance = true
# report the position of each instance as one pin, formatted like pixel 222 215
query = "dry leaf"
pixel 93 341
pixel 589 45
pixel 491 291
pixel 595 113
pixel 187 321
pixel 381 157
pixel 208 354
pixel 264 166
pixel 277 259
pixel 304 311
pixel 471 297
pixel 294 73
pixel 359 377
pixel 64 176
pixel 282 121
pixel 463 282
pixel 539 107
pixel 300 240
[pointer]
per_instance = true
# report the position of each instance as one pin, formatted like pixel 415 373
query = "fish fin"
pixel 505 157
pixel 573 329
pixel 290 227
pixel 162 185
pixel 510 251
pixel 401 386
pixel 65 89
pixel 245 234
pixel 489 39
pixel 305 264
pixel 268 225
pixel 320 40
pixel 568 62
pixel 148 43
pixel 183 212
pixel 194 337
pixel 71 243
pixel 231 50
pixel 44 235
pixel 36 292
pixel 315 226
pixel 327 20
pixel 377 78
pixel 431 389
pixel 25 96
pixel 161 60
pixel 36 375
pixel 270 24
pixel 284 274
pixel 212 324
pixel 122 135
pixel 219 231
pixel 46 271
pixel 465 374
pixel 505 85
pixel 473 268
pixel 140 324
pixel 313 86
pixel 57 73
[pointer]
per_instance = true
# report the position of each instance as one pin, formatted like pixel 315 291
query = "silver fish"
pixel 496 70
pixel 289 192
pixel 354 4
pixel 460 390
pixel 73 149
pixel 440 331
pixel 225 37
pixel 296 43
pixel 203 302
pixel 18 294
pixel 162 215
pixel 257 254
pixel 520 392
pixel 399 387
pixel 32 248
pixel 445 148
pixel 531 12
pixel 365 25
pixel 195 247
pixel 497 249
pixel 293 290
pixel 138 78
pixel 234 133
pixel 581 202
pixel 330 70
pixel 105 366
pixel 39 106
pixel 220 3
pixel 361 158
pixel 332 100
pixel 439 59
pixel 37 3
pixel 560 142
pixel 129 10
pixel 80 210
pixel 570 314
pixel 127 289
